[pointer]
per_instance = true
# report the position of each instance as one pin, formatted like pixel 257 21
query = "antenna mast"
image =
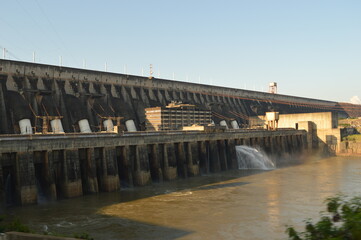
pixel 150 71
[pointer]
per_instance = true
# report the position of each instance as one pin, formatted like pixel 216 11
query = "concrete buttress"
pixel 215 165
pixel 71 185
pixel 192 159
pixel 125 166
pixel 203 157
pixel 181 160
pixel 169 162
pixel 26 192
pixel 154 163
pixel 88 170
pixel 222 154
pixel 141 169
pixel 107 169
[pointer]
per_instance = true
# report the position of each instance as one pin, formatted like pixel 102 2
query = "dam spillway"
pixel 56 130
pixel 65 166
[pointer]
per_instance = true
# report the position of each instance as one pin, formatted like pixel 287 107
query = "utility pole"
pixel 4 53
pixel 106 67
pixel 33 57
pixel 60 61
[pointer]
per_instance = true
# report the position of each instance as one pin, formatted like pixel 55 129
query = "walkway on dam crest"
pixel 25 143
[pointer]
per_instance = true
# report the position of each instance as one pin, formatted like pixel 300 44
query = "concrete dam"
pixel 84 99
pixel 57 136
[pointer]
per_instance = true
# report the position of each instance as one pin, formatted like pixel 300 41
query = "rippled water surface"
pixel 242 204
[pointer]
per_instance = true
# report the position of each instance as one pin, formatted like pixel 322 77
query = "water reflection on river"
pixel 244 204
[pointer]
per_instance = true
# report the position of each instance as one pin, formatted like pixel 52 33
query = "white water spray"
pixel 251 158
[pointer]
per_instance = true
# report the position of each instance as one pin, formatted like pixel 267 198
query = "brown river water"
pixel 239 204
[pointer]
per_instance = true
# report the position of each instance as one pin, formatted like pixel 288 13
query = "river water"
pixel 240 204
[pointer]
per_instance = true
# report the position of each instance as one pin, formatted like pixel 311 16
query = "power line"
pixel 55 31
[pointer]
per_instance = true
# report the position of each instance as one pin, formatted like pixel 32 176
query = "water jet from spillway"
pixel 251 158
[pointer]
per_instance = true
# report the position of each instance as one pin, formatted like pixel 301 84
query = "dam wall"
pixel 79 100
pixel 35 168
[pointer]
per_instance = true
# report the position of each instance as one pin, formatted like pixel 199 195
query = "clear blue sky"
pixel 311 48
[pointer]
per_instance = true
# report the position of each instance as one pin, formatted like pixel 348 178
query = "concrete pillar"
pixel 71 185
pixel 246 141
pixel 2 184
pixel 295 144
pixel 192 159
pixel 88 170
pixel 4 119
pixel 303 139
pixel 222 154
pixel 311 133
pixel 284 145
pixel 289 144
pixel 106 164
pixel 266 145
pixel 203 157
pixel 281 146
pixel 181 160
pixel 272 145
pixel 262 143
pixel 154 163
pixel 215 165
pixel 251 142
pixel 48 175
pixel 125 166
pixel 300 143
pixel 141 167
pixel 26 192
pixel 170 162
pixel 232 162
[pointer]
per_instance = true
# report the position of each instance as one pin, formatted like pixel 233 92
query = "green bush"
pixel 83 236
pixel 13 225
pixel 342 221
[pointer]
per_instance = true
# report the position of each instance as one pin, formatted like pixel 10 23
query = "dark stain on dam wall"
pixel 28 90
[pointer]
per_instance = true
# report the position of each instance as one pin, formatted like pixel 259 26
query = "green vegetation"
pixel 354 138
pixel 14 225
pixel 83 236
pixel 342 221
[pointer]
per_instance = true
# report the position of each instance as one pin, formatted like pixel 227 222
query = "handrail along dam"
pixel 57 135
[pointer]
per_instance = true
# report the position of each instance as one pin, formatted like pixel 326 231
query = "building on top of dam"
pixel 175 116
pixel 44 98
